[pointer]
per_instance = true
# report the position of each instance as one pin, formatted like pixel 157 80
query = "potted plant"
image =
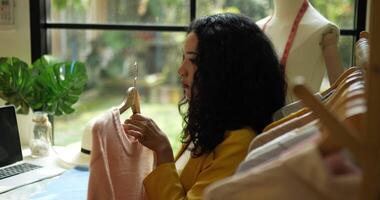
pixel 48 85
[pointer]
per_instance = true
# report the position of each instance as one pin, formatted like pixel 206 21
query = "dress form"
pixel 315 46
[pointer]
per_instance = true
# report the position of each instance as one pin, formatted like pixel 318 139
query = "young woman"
pixel 232 85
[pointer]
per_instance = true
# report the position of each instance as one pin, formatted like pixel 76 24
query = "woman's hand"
pixel 150 135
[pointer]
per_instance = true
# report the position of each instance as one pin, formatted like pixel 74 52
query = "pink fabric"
pixel 339 165
pixel 119 163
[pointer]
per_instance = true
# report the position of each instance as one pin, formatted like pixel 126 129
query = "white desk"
pixel 25 192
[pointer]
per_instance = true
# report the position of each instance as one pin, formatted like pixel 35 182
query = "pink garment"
pixel 119 163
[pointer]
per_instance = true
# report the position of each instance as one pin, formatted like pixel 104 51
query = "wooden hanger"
pixel 338 104
pixel 367 153
pixel 350 87
pixel 362 50
pixel 131 100
pixel 345 106
pixel 343 84
pixel 349 80
pixel 350 93
pixel 342 134
pixel 347 74
pixel 343 76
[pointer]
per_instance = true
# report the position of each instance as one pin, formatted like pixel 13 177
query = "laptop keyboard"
pixel 17 169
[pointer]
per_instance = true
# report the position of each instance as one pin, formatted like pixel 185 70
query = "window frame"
pixel 40 42
pixel 39 25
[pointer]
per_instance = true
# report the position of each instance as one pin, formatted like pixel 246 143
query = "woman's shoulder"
pixel 244 135
pixel 236 141
pixel 229 153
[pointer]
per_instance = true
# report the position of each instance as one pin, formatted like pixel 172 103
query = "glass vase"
pixel 40 140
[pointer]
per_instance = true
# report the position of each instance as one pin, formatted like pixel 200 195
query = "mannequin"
pixel 314 48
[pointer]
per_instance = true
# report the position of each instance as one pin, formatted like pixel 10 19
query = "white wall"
pixel 16 41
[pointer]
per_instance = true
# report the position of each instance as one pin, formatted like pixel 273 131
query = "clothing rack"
pixel 367 150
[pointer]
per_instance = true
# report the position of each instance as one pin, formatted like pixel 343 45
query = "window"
pixel 110 35
pixel 343 13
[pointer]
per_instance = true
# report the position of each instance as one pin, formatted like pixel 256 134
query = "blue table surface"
pixel 70 185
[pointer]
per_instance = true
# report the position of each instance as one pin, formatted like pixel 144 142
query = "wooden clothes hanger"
pixel 362 50
pixel 348 90
pixel 132 98
pixel 333 124
pixel 342 77
pixel 355 90
pixel 351 110
pixel 347 82
pixel 367 152
pixel 339 134
pixel 340 82
pixel 348 77
pixel 350 95
pixel 350 72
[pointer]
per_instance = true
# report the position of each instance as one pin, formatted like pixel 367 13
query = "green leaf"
pixel 15 83
pixel 49 85
pixel 59 84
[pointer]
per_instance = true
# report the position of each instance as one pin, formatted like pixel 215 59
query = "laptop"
pixel 14 171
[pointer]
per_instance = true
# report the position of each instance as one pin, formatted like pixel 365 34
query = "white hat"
pixel 78 154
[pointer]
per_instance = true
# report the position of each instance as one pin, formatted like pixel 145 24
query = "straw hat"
pixel 78 154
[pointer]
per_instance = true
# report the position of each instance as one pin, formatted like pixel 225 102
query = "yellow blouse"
pixel 164 183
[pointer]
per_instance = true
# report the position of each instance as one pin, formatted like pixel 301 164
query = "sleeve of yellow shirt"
pixel 164 182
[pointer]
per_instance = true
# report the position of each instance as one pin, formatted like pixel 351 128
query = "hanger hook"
pixel 136 74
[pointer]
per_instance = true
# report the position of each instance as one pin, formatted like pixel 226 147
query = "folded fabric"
pixel 298 174
pixel 281 129
pixel 274 148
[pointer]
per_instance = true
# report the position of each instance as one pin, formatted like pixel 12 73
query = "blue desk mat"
pixel 72 184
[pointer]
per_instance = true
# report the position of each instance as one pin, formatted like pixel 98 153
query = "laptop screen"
pixel 10 147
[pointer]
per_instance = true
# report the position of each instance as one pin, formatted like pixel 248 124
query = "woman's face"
pixel 188 68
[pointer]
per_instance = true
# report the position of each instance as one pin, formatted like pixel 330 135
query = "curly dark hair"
pixel 238 83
